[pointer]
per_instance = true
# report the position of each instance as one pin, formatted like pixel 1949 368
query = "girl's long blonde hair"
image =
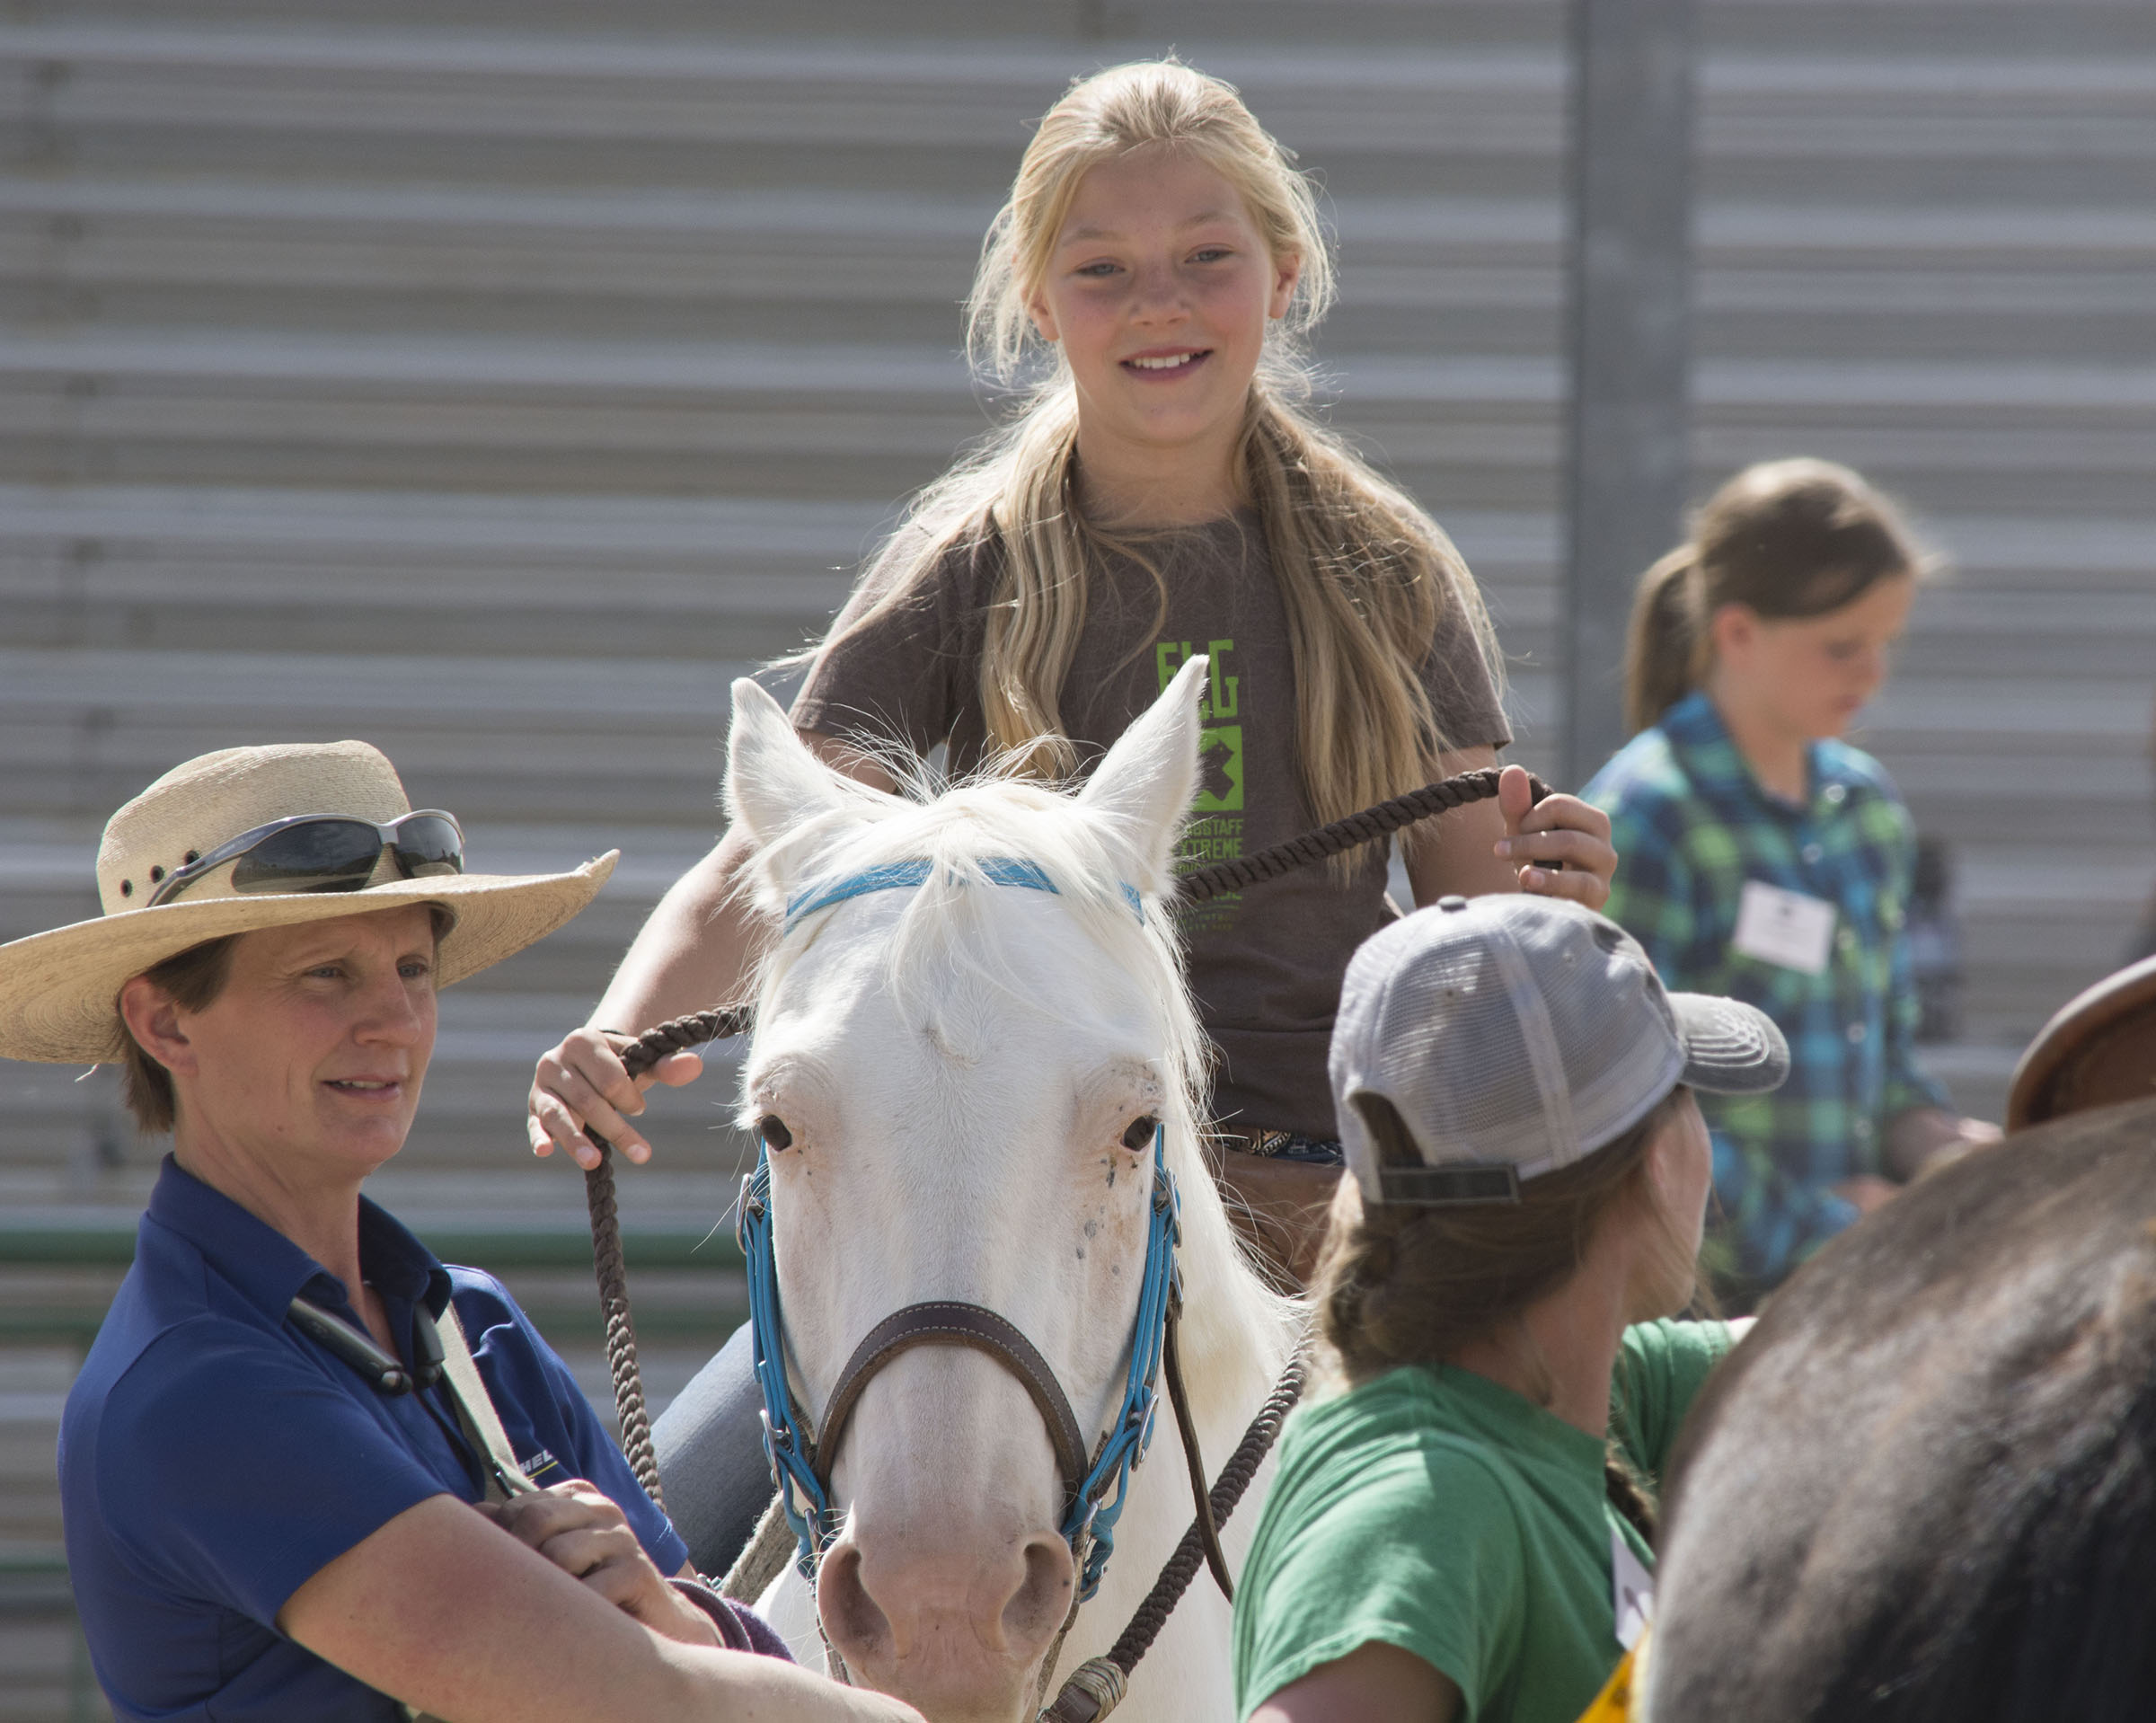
pixel 1365 574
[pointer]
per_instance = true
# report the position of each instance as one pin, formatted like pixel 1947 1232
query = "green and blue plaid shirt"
pixel 1690 826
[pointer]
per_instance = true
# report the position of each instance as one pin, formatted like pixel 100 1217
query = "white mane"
pixel 987 820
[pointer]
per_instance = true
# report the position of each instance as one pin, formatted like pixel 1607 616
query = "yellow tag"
pixel 1614 1704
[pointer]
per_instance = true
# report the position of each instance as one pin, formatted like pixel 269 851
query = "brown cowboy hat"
pixel 2100 1048
pixel 58 990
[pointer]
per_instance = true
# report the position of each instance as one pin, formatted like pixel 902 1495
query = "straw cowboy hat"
pixel 58 989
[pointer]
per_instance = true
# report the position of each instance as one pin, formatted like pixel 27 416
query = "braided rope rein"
pixel 613 1273
pixel 681 1033
pixel 1357 828
pixel 1096 1687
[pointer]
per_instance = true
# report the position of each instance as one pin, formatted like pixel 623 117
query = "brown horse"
pixel 1924 1487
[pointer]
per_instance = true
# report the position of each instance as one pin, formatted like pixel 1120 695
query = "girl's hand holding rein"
pixel 1560 829
pixel 691 952
pixel 583 1082
pixel 698 949
pixel 1508 845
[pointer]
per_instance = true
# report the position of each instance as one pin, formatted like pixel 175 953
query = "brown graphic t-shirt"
pixel 1265 963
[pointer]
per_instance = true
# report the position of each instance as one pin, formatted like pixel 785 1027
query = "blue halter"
pixel 904 876
pixel 1095 1501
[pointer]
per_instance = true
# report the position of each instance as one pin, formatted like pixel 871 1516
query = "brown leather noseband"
pixel 1095 1487
pixel 946 1322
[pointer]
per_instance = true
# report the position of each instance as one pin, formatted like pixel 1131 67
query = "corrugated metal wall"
pixel 495 380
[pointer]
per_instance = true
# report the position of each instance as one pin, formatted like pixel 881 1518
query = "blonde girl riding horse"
pixel 1164 492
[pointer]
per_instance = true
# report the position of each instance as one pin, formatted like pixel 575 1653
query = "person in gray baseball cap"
pixel 1461 1527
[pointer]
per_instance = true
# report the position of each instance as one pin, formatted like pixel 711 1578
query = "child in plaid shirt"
pixel 1765 859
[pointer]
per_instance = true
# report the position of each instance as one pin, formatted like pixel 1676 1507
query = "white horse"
pixel 959 1080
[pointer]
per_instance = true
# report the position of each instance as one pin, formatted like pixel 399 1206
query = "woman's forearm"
pixel 450 1615
pixel 744 1688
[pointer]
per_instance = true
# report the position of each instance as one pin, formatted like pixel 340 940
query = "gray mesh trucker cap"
pixel 1513 1034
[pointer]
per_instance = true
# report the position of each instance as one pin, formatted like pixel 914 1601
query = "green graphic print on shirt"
pixel 1267 985
pixel 1215 830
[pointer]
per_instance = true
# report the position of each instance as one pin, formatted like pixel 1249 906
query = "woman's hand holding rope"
pixel 583 1082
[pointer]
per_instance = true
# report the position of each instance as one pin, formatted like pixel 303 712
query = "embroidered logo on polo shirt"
pixel 539 1462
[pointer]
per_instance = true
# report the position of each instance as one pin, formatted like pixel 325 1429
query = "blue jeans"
pixel 709 1443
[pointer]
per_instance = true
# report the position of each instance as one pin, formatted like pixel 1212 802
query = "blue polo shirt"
pixel 213 1457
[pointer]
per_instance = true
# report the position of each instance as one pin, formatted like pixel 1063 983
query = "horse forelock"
pixel 944 963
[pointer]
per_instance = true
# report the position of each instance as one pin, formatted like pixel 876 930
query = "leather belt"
pixel 1261 1141
pixel 1268 1145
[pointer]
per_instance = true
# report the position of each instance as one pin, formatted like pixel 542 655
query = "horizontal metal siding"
pixel 495 379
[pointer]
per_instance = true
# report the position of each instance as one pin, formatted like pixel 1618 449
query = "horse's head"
pixel 966 1034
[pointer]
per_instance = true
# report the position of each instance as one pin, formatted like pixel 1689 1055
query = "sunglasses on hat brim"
pixel 326 853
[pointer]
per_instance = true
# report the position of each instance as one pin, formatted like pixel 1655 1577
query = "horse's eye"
pixel 1139 1135
pixel 773 1129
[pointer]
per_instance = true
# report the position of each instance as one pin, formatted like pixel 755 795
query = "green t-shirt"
pixel 1436 1511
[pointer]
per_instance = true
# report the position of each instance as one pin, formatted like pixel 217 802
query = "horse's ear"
pixel 774 783
pixel 1146 783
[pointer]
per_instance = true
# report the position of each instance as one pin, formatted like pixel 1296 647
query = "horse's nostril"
pixel 1038 1606
pixel 858 1628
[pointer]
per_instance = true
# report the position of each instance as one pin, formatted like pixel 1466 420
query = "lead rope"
pixel 1049 1662
pixel 613 1273
pixel 1096 1686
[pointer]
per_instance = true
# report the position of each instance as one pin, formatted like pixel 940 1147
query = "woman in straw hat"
pixel 307 1468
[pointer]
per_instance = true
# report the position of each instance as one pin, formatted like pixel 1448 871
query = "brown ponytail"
pixel 1414 1286
pixel 1628 1494
pixel 1665 642
pixel 1787 539
pixel 1405 1284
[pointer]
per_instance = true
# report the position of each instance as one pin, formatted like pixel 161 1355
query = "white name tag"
pixel 1785 928
pixel 1631 1591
